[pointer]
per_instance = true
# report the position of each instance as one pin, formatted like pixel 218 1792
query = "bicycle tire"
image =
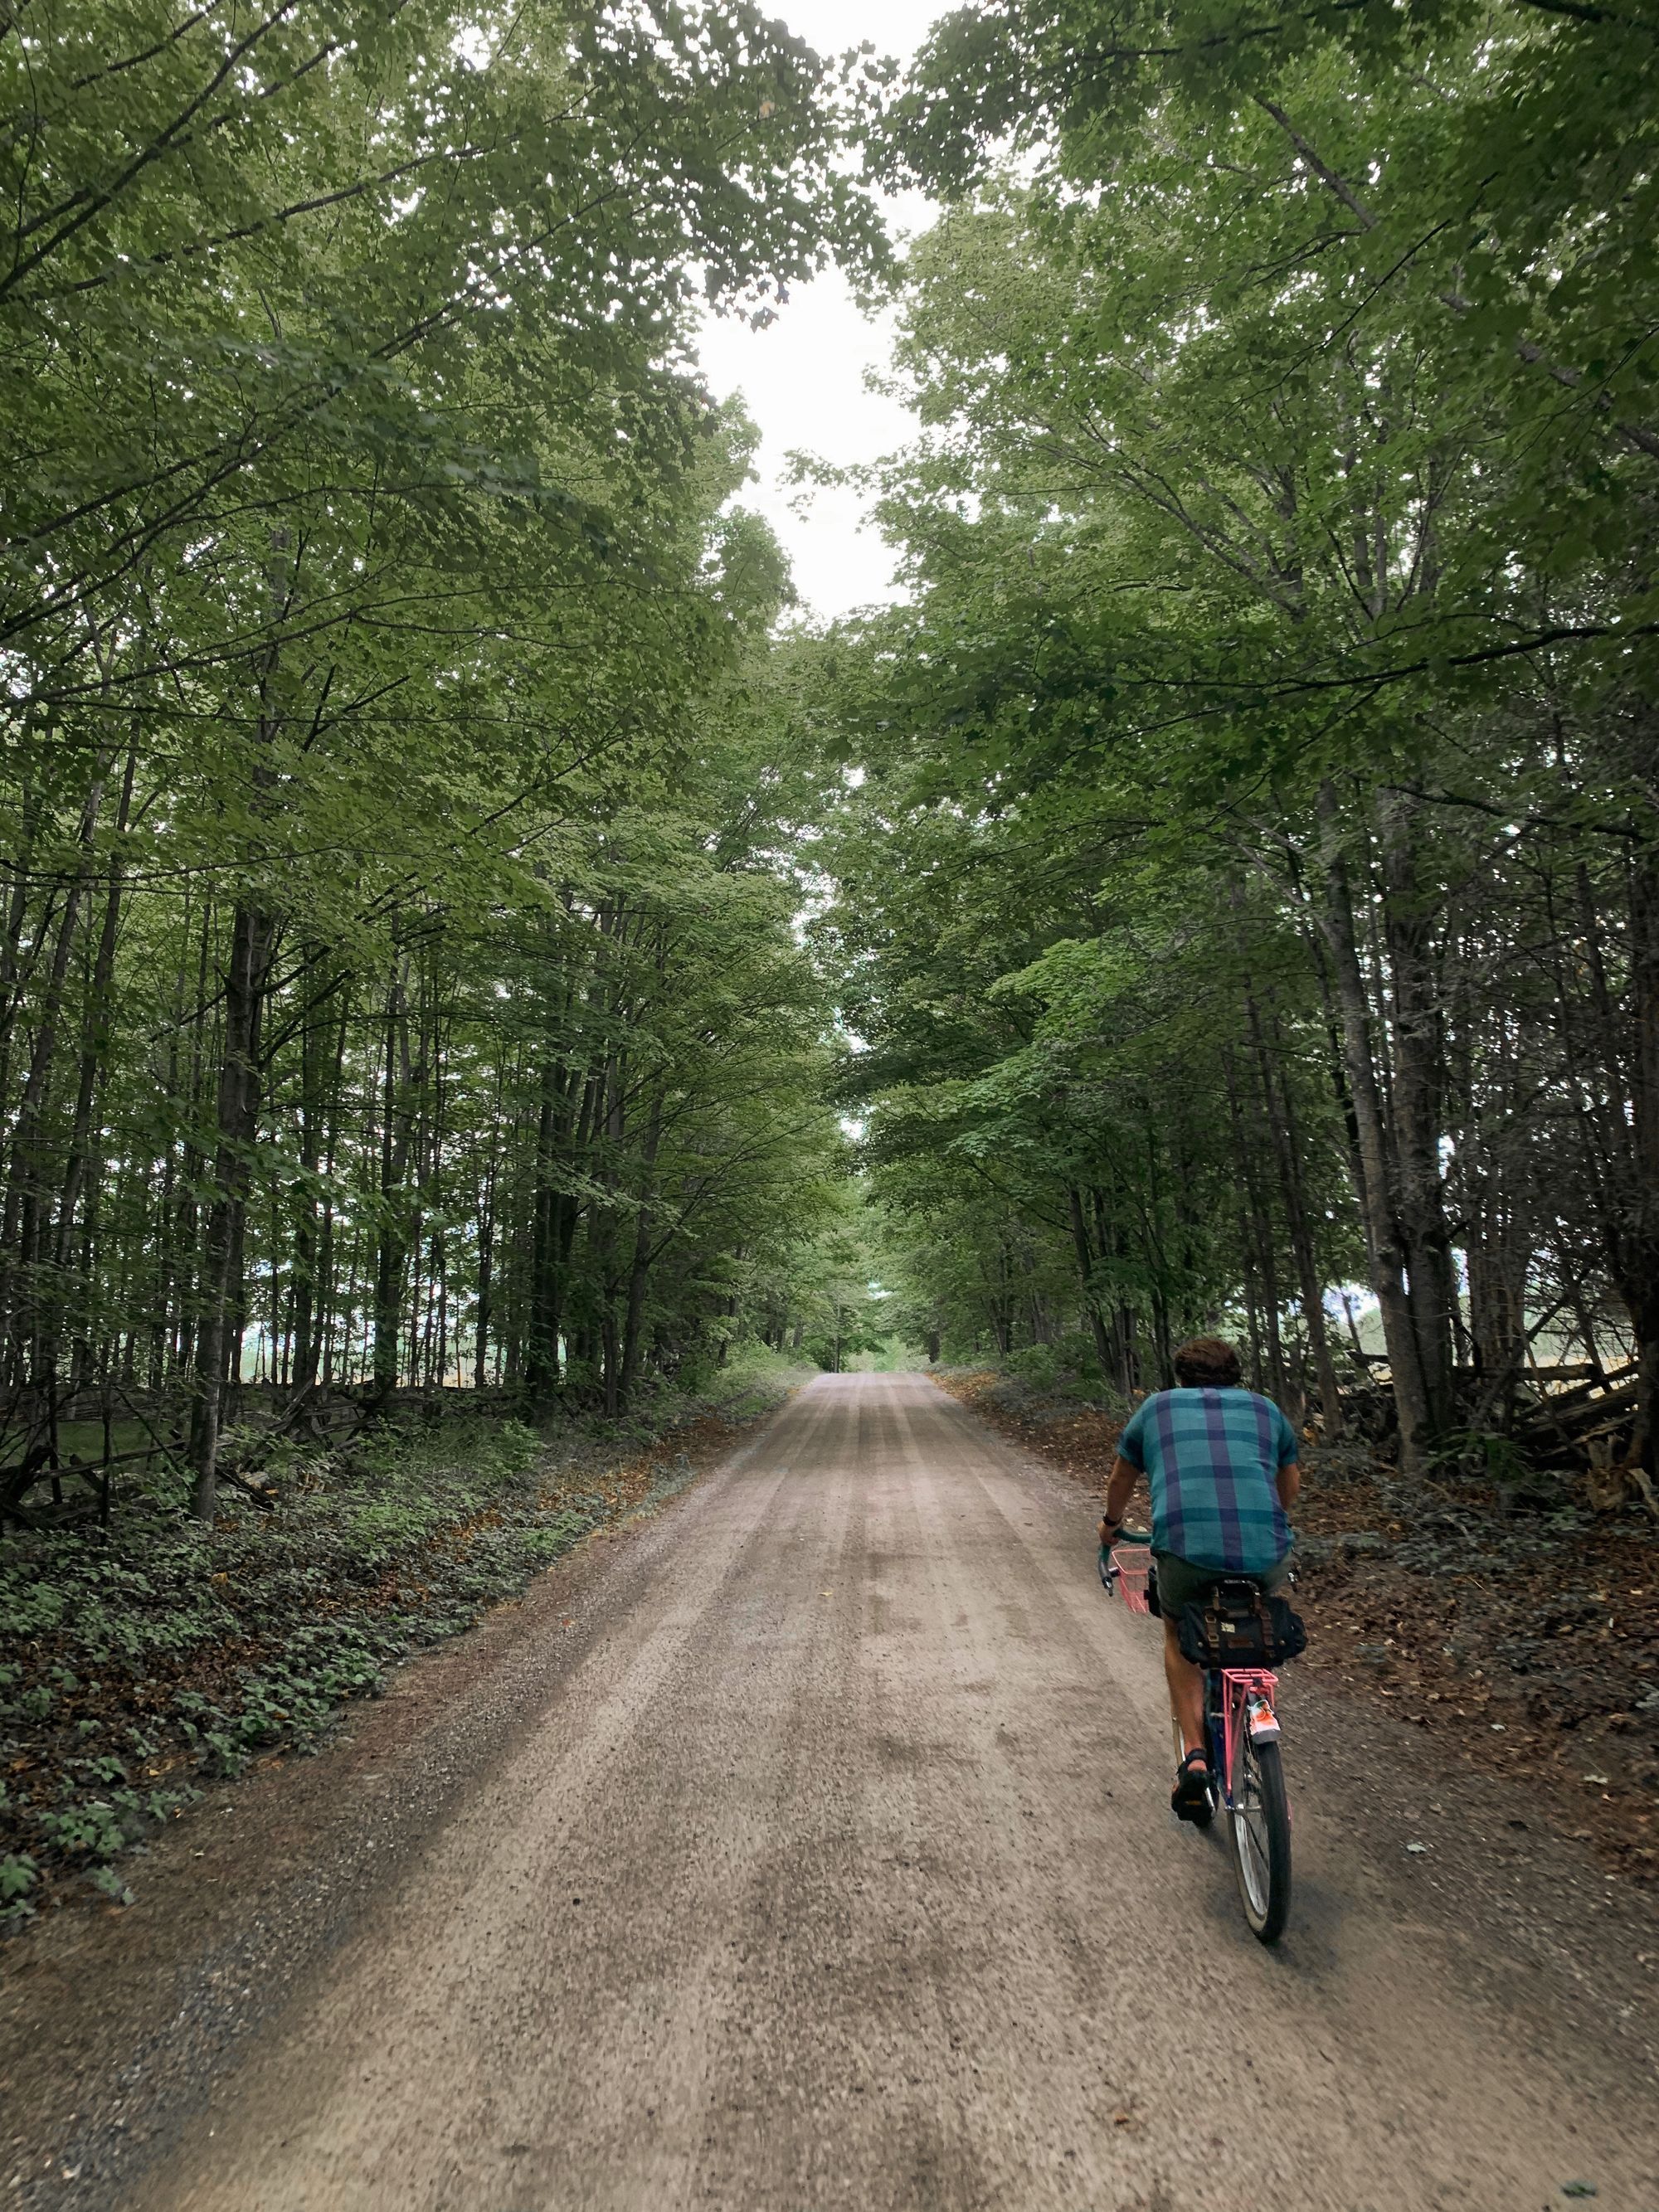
pixel 1259 1824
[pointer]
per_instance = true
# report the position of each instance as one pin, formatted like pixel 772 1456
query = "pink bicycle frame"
pixel 1238 1685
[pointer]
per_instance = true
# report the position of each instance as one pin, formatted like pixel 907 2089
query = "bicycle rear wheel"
pixel 1260 1822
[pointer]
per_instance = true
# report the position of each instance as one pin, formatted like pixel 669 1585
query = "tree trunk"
pixel 639 1272
pixel 237 1117
pixel 1635 1241
pixel 1411 1403
pixel 1418 1090
pixel 541 1372
pixel 25 1219
pixel 1086 1268
pixel 393 1245
pixel 307 1232
pixel 1259 1217
pixel 83 1165
pixel 1281 1128
pixel 486 1259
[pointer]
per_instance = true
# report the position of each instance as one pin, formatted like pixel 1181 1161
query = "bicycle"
pixel 1242 1732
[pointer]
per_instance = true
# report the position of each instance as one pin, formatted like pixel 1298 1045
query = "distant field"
pixel 83 1440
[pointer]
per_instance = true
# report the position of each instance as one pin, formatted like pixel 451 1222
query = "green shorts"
pixel 1180 1582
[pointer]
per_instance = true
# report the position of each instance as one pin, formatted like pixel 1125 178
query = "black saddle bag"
pixel 1240 1624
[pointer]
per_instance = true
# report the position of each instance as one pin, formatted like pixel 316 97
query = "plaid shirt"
pixel 1211 1458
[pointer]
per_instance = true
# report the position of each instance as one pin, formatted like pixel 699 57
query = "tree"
pixel 368 601
pixel 1257 551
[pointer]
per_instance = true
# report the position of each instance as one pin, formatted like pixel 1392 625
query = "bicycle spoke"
pixel 1261 1838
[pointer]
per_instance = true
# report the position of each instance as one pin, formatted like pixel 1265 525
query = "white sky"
pixel 803 378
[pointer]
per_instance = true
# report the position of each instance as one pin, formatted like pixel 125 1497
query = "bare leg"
pixel 1186 1690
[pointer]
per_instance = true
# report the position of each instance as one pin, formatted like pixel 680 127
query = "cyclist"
pixel 1221 1465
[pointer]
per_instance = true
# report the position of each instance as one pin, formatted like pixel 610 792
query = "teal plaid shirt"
pixel 1212 1459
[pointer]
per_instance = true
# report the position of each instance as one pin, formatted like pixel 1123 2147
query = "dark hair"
pixel 1206 1363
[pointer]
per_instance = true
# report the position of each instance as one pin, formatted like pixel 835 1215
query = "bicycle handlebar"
pixel 1109 1570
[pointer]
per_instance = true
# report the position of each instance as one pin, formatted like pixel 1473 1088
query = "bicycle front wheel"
pixel 1260 1824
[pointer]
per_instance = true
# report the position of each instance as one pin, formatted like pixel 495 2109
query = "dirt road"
pixel 808 1850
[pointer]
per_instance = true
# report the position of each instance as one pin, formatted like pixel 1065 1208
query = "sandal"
pixel 1190 1798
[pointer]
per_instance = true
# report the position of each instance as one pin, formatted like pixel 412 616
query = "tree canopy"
pixel 450 924
pixel 399 984
pixel 1252 886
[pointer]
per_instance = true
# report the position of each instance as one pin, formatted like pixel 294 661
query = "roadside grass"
pixel 142 1663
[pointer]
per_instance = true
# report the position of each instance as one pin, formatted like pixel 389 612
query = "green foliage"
pixel 168 1655
pixel 1482 1453
pixel 1274 691
pixel 401 983
pixel 1062 1369
pixel 835 1293
pixel 19 1873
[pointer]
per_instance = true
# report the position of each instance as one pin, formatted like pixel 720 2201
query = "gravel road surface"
pixel 807 1850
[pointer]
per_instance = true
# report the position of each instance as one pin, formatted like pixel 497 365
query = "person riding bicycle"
pixel 1222 1464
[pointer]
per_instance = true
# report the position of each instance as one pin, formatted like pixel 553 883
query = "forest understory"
pixel 148 1660
pixel 1526 1641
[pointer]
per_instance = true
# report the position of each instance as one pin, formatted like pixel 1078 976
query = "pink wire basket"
pixel 1133 1562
